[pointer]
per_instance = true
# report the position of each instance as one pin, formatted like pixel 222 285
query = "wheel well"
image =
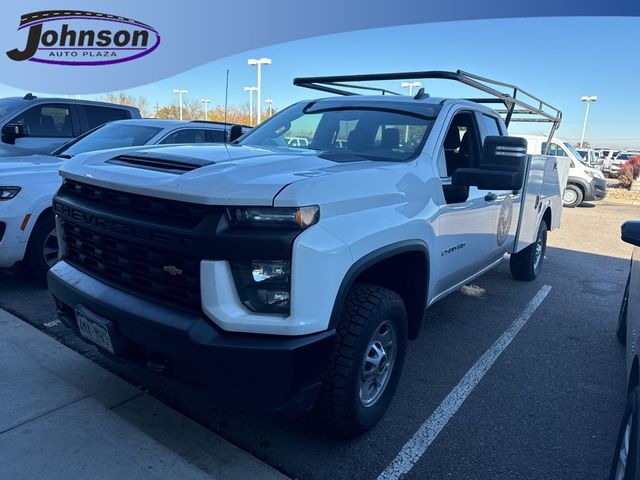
pixel 407 275
pixel 46 211
pixel 579 186
pixel 547 217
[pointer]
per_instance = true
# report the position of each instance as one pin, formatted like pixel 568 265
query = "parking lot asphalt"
pixel 548 407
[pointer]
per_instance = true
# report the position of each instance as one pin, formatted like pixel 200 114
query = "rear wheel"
pixel 572 196
pixel 526 264
pixel 621 330
pixel 42 251
pixel 365 365
pixel 627 454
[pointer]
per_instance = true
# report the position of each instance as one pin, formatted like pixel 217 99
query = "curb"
pixel 172 440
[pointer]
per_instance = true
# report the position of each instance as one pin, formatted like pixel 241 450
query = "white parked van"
pixel 584 182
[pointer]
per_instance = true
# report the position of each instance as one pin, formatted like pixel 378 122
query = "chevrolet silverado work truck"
pixel 290 277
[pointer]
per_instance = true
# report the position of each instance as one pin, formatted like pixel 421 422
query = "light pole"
pixel 410 86
pixel 250 90
pixel 588 100
pixel 268 101
pixel 180 92
pixel 259 62
pixel 206 107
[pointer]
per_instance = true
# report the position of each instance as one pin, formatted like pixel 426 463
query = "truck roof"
pixel 404 102
pixel 33 100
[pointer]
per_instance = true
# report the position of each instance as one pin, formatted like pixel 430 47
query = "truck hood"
pixel 222 174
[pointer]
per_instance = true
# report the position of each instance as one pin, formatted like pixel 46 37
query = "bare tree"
pixel 122 98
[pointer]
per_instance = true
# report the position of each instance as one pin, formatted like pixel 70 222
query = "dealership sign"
pixel 70 37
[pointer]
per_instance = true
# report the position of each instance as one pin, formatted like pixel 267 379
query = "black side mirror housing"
pixel 502 166
pixel 235 132
pixel 11 131
pixel 631 232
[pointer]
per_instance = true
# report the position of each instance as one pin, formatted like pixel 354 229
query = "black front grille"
pixel 172 212
pixel 170 278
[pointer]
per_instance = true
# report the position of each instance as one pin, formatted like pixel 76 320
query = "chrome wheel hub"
pixel 377 364
pixel 51 248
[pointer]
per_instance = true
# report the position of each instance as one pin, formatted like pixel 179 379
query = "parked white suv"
pixel 28 182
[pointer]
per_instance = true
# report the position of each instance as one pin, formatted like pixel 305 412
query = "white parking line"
pixel 429 430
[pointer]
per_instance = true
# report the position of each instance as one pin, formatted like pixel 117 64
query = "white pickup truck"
pixel 289 278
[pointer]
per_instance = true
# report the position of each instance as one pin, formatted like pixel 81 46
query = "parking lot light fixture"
pixel 587 99
pixel 180 93
pixel 258 62
pixel 410 86
pixel 250 90
pixel 206 101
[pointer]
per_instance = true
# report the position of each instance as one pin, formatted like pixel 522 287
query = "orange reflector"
pixel 25 221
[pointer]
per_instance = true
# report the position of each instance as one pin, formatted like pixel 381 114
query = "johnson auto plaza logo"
pixel 70 37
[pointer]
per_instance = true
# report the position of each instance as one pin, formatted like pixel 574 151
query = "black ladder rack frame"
pixel 520 105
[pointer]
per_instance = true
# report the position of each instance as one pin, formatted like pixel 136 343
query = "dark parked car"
pixel 626 461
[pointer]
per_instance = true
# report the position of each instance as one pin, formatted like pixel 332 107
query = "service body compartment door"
pixel 544 182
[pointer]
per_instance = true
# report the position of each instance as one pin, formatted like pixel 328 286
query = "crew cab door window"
pixel 47 121
pixel 97 116
pixel 48 125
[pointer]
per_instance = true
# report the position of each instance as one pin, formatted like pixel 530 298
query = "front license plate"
pixel 94 330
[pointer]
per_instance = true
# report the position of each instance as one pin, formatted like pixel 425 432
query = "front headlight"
pixel 264 286
pixel 7 193
pixel 274 217
pixel 593 174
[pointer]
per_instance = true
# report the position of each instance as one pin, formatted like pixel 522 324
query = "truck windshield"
pixel 111 135
pixel 8 106
pixel 346 132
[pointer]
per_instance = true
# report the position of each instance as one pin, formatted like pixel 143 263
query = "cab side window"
pixel 51 120
pixel 461 144
pixel 460 149
pixel 554 149
pixel 490 126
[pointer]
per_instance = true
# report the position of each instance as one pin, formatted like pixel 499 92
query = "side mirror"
pixel 235 132
pixel 631 232
pixel 11 131
pixel 501 167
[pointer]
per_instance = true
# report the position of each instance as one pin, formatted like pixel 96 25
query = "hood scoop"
pixel 176 164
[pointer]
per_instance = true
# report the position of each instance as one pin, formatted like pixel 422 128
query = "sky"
pixel 557 59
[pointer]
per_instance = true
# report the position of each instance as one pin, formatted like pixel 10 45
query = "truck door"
pixel 466 235
pixel 505 207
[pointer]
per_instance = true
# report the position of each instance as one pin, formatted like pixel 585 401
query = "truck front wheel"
pixel 366 362
pixel 526 264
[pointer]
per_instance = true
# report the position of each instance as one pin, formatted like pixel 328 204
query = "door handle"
pixel 490 197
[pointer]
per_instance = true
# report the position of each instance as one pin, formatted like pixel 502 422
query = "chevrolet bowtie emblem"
pixel 171 270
